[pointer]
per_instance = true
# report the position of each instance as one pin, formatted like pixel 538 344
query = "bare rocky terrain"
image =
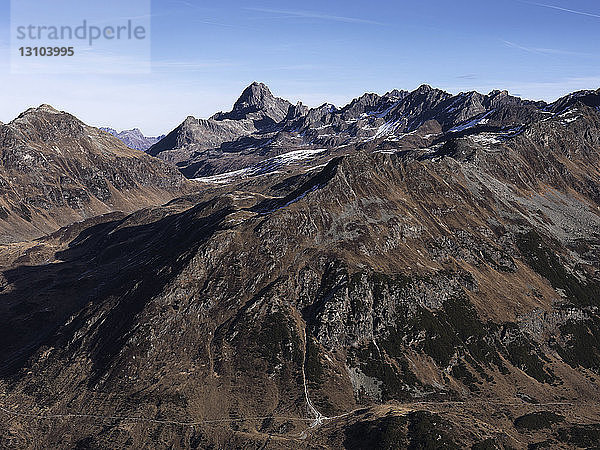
pixel 434 286
pixel 55 170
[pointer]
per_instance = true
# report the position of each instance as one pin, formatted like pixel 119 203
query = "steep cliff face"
pixel 55 170
pixel 442 294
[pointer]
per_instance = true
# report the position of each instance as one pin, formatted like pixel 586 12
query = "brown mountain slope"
pixel 436 298
pixel 55 170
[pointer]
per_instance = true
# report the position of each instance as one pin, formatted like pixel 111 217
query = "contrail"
pixel 559 8
pixel 286 13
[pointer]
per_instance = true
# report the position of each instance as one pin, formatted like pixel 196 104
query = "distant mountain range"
pixel 134 138
pixel 261 126
pixel 413 270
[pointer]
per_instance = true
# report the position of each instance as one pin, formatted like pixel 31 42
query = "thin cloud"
pixel 225 25
pixel 291 14
pixel 560 8
pixel 123 18
pixel 468 76
pixel 187 66
pixel 546 51
pixel 297 67
pixel 191 5
pixel 212 22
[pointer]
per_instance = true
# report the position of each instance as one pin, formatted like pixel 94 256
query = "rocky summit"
pixel 412 270
pixel 55 170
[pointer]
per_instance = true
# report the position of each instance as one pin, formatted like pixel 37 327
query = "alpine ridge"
pixel 412 270
pixel 262 126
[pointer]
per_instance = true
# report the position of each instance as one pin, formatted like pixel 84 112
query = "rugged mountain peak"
pixel 261 125
pixel 296 111
pixel 588 97
pixel 257 103
pixel 396 94
pixel 132 132
pixel 429 93
pixel 321 111
pixel 44 124
pixel 43 108
pixel 47 108
pixel 256 95
pixel 471 98
pixel 68 171
pixel 327 107
pixel 472 95
pixel 40 110
pixel 366 103
pixel 498 93
pixel 179 137
pixel 424 88
pixel 365 99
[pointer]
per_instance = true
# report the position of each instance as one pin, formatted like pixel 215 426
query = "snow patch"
pixel 387 128
pixel 486 138
pixel 224 177
pixel 264 167
pixel 512 132
pixel 472 123
pixel 569 116
pixel 385 112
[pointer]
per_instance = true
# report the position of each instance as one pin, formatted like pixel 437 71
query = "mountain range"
pixel 134 138
pixel 412 270
pixel 261 126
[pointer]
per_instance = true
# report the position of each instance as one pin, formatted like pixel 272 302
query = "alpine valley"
pixel 412 270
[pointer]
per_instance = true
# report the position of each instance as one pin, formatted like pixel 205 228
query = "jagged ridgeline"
pixel 414 270
pixel 262 126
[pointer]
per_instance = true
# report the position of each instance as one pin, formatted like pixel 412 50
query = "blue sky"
pixel 205 53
